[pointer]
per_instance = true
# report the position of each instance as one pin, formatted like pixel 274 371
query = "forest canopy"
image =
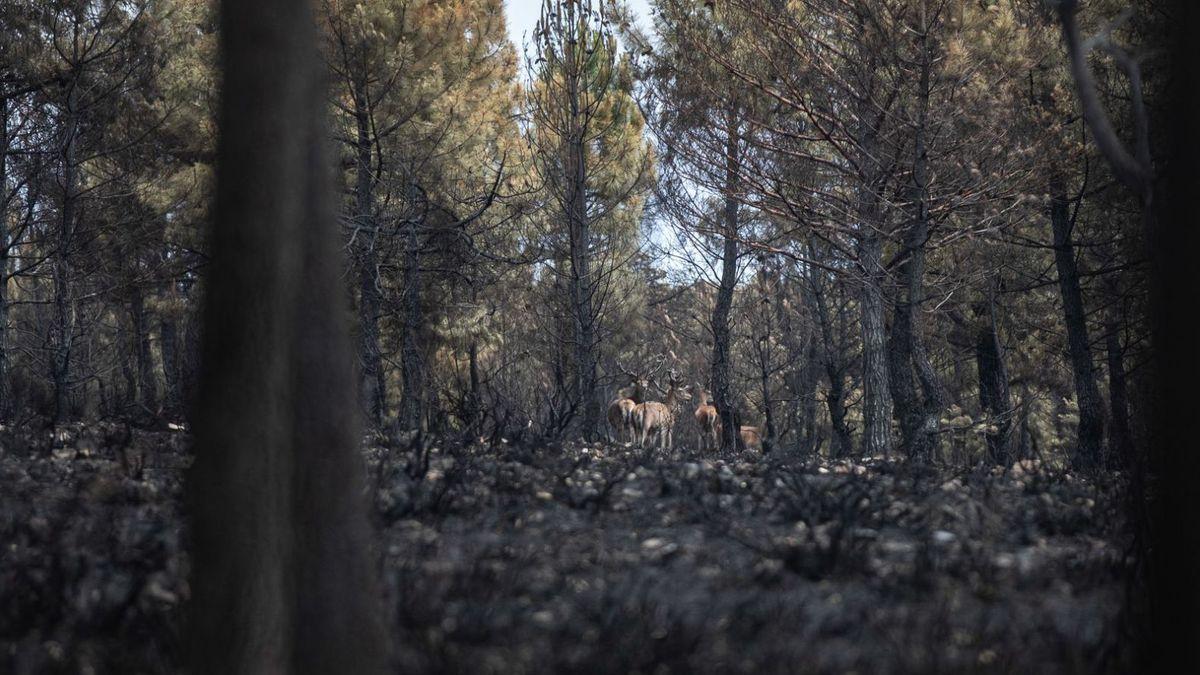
pixel 876 227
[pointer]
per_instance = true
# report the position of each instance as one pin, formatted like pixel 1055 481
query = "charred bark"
pixel 412 362
pixel 993 380
pixel 1120 438
pixel 722 335
pixel 373 392
pixel 63 326
pixel 283 579
pixel 7 407
pixel 147 386
pixel 877 395
pixel 1091 417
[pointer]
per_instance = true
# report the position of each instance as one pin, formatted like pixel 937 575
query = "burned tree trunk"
pixel 147 387
pixel 372 394
pixel 6 402
pixel 993 379
pixel 412 362
pixel 283 577
pixel 722 335
pixel 60 268
pixel 877 395
pixel 1091 416
pixel 918 417
pixel 840 444
pixel 1120 439
pixel 877 391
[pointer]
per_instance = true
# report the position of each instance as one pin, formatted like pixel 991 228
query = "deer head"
pixel 640 378
pixel 659 417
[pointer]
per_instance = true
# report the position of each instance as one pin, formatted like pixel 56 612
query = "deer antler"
pixel 660 360
pixel 621 367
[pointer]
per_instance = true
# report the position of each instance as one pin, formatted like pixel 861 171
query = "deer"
pixel 708 422
pixel 659 418
pixel 749 437
pixel 621 409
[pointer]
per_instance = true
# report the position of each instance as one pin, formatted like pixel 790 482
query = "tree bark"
pixel 169 344
pixel 918 418
pixel 1091 418
pixel 877 396
pixel 581 282
pixel 877 392
pixel 807 392
pixel 1173 643
pixel 373 390
pixel 147 387
pixel 412 361
pixel 64 302
pixel 283 578
pixel 7 407
pixel 841 444
pixel 722 335
pixel 993 380
pixel 1120 439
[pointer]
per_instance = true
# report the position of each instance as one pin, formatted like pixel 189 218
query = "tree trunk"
pixel 877 391
pixel 168 348
pixel 877 395
pixel 372 385
pixel 7 407
pixel 810 374
pixel 580 242
pixel 1087 395
pixel 993 381
pixel 412 361
pixel 722 335
pixel 1120 439
pixel 283 576
pixel 841 444
pixel 917 417
pixel 1169 215
pixel 60 268
pixel 147 388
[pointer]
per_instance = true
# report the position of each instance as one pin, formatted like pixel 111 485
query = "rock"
pixel 943 537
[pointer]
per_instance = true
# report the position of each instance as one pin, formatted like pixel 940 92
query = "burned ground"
pixel 596 558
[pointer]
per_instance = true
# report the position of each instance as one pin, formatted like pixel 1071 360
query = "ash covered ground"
pixel 599 558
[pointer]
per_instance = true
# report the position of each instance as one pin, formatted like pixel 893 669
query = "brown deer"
pixel 749 437
pixel 621 409
pixel 659 418
pixel 708 422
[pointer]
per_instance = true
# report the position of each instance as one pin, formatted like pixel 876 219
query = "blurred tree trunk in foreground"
pixel 283 579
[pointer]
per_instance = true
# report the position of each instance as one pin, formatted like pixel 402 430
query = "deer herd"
pixel 636 420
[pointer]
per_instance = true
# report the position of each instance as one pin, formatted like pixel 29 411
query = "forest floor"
pixel 598 558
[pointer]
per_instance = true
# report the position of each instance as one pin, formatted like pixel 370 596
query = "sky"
pixel 523 15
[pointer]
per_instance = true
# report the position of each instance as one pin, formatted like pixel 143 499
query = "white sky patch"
pixel 522 18
pixel 523 15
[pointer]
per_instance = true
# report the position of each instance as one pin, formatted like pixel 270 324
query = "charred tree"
pixel 994 397
pixel 283 579
pixel 373 392
pixel 1091 414
pixel 722 334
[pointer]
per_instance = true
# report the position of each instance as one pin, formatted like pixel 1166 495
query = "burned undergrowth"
pixel 599 558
